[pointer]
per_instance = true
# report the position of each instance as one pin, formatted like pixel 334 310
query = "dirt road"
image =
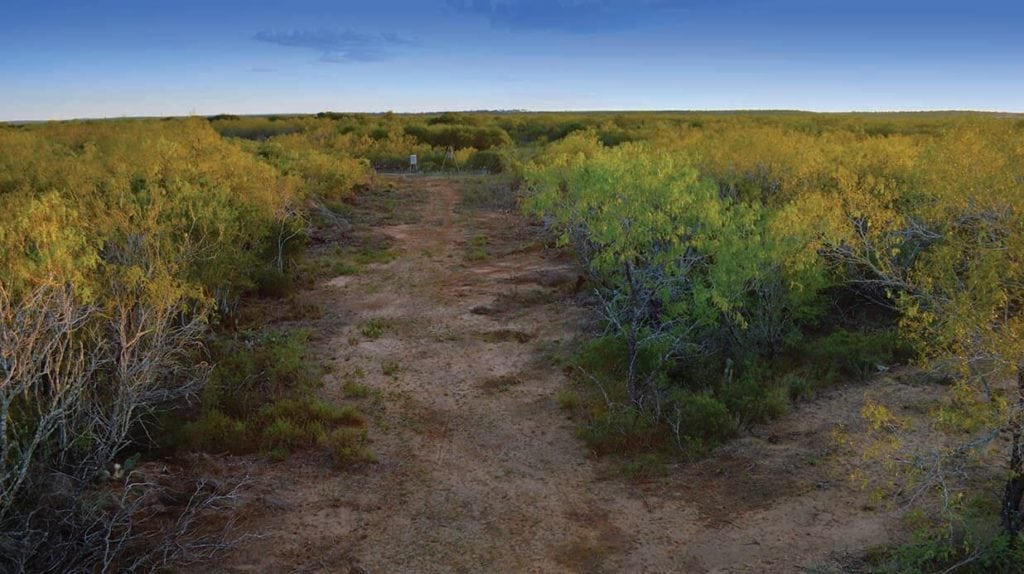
pixel 480 471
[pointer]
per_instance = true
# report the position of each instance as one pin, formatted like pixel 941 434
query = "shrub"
pixel 215 431
pixel 798 387
pixel 617 429
pixel 856 354
pixel 973 548
pixel 459 136
pixel 487 160
pixel 646 465
pixel 753 398
pixel 477 248
pixel 698 421
pixel 272 283
pixel 603 355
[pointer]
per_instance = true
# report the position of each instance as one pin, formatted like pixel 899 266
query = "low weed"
pixel 375 328
pixel 476 250
pixel 353 387
pixel 349 446
pixel 390 368
pixel 568 399
pixel 374 255
pixel 647 465
pixel 335 262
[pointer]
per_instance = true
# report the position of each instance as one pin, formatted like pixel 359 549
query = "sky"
pixel 63 59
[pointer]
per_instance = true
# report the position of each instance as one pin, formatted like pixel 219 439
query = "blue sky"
pixel 104 58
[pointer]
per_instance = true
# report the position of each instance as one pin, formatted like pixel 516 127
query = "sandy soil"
pixel 479 469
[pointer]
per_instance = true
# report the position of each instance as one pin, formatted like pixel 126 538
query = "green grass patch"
pixel 335 262
pixel 372 255
pixel 568 399
pixel 476 249
pixel 262 398
pixel 375 328
pixel 390 368
pixel 352 386
pixel 349 446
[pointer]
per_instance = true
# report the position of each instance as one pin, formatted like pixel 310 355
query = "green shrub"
pixel 929 553
pixel 214 431
pixel 459 136
pixel 272 283
pixel 477 248
pixel 310 409
pixel 260 398
pixel 603 355
pixel 855 354
pixel 798 387
pixel 486 160
pixel 699 421
pixel 754 399
pixel 375 328
pixel 333 263
pixel 369 256
pixel 620 429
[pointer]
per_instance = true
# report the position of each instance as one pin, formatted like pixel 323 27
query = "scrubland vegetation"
pixel 739 264
pixel 751 261
pixel 127 247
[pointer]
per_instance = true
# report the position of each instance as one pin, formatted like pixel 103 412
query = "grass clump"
pixel 477 248
pixel 355 390
pixel 340 261
pixel 568 399
pixel 349 446
pixel 647 465
pixel 335 262
pixel 353 387
pixel 390 368
pixel 798 387
pixel 375 328
pixel 261 398
pixel 371 255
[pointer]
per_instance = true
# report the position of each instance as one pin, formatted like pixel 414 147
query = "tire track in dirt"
pixel 479 470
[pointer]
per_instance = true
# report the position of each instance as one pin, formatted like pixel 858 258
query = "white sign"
pixel 412 160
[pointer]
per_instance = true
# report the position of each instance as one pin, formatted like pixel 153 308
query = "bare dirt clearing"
pixel 480 471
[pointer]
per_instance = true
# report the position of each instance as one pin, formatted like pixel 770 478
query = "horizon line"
pixel 526 111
